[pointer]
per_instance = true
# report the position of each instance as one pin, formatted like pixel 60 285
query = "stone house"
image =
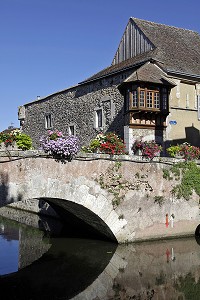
pixel 150 91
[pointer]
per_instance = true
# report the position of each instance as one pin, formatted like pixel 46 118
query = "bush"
pixel 59 146
pixel 173 150
pixel 23 141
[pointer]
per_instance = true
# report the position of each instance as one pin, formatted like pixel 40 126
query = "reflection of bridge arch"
pixel 66 268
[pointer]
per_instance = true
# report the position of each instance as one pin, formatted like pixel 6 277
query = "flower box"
pixel 148 149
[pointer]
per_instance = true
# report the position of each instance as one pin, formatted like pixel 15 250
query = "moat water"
pixel 39 264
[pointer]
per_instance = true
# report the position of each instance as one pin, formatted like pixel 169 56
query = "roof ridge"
pixel 171 26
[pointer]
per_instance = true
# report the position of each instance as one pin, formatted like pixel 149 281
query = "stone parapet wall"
pixel 20 154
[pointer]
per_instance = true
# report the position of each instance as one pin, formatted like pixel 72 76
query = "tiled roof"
pixel 149 72
pixel 129 63
pixel 177 50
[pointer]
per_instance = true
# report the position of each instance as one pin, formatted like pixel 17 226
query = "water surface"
pixel 35 264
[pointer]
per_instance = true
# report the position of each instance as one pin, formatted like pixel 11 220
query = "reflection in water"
pixel 9 247
pixel 54 268
pixel 158 270
pixel 74 268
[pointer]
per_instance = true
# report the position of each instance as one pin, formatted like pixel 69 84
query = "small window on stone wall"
pixel 71 130
pixel 99 118
pixel 48 121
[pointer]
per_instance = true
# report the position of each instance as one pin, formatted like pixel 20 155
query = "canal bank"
pixel 125 197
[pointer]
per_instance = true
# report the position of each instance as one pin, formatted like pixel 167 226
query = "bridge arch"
pixel 79 197
pixel 80 218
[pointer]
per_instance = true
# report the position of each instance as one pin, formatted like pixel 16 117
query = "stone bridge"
pixel 111 197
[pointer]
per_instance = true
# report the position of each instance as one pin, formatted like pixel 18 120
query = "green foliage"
pixel 4 137
pixel 117 165
pixel 23 141
pixel 166 174
pixel 161 279
pixel 189 175
pixel 173 150
pixel 94 145
pixel 189 287
pixel 113 182
pixel 175 169
pixel 116 201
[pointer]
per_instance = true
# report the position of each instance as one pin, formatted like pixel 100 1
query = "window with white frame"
pixel 48 121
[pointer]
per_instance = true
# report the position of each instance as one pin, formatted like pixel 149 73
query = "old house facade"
pixel 151 91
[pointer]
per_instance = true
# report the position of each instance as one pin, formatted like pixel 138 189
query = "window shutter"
pixel 198 106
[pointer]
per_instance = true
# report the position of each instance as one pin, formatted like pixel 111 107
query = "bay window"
pixel 146 98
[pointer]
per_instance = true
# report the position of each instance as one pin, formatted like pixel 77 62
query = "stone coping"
pixel 20 154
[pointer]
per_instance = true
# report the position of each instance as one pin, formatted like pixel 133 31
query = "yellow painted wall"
pixel 183 110
pixel 183 95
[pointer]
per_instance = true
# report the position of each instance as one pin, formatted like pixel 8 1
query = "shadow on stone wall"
pixel 117 124
pixel 5 197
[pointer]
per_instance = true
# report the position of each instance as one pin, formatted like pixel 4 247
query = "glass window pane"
pixel 156 100
pixel 99 117
pixel 142 98
pixel 149 99
pixel 71 130
pixel 135 101
pixel 48 121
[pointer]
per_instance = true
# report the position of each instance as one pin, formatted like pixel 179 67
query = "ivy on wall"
pixel 188 175
pixel 112 180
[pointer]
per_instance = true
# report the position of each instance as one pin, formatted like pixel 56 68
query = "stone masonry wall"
pixel 77 106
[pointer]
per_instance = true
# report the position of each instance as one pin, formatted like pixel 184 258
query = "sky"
pixel 49 45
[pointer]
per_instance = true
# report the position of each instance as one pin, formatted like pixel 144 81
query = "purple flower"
pixel 64 147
